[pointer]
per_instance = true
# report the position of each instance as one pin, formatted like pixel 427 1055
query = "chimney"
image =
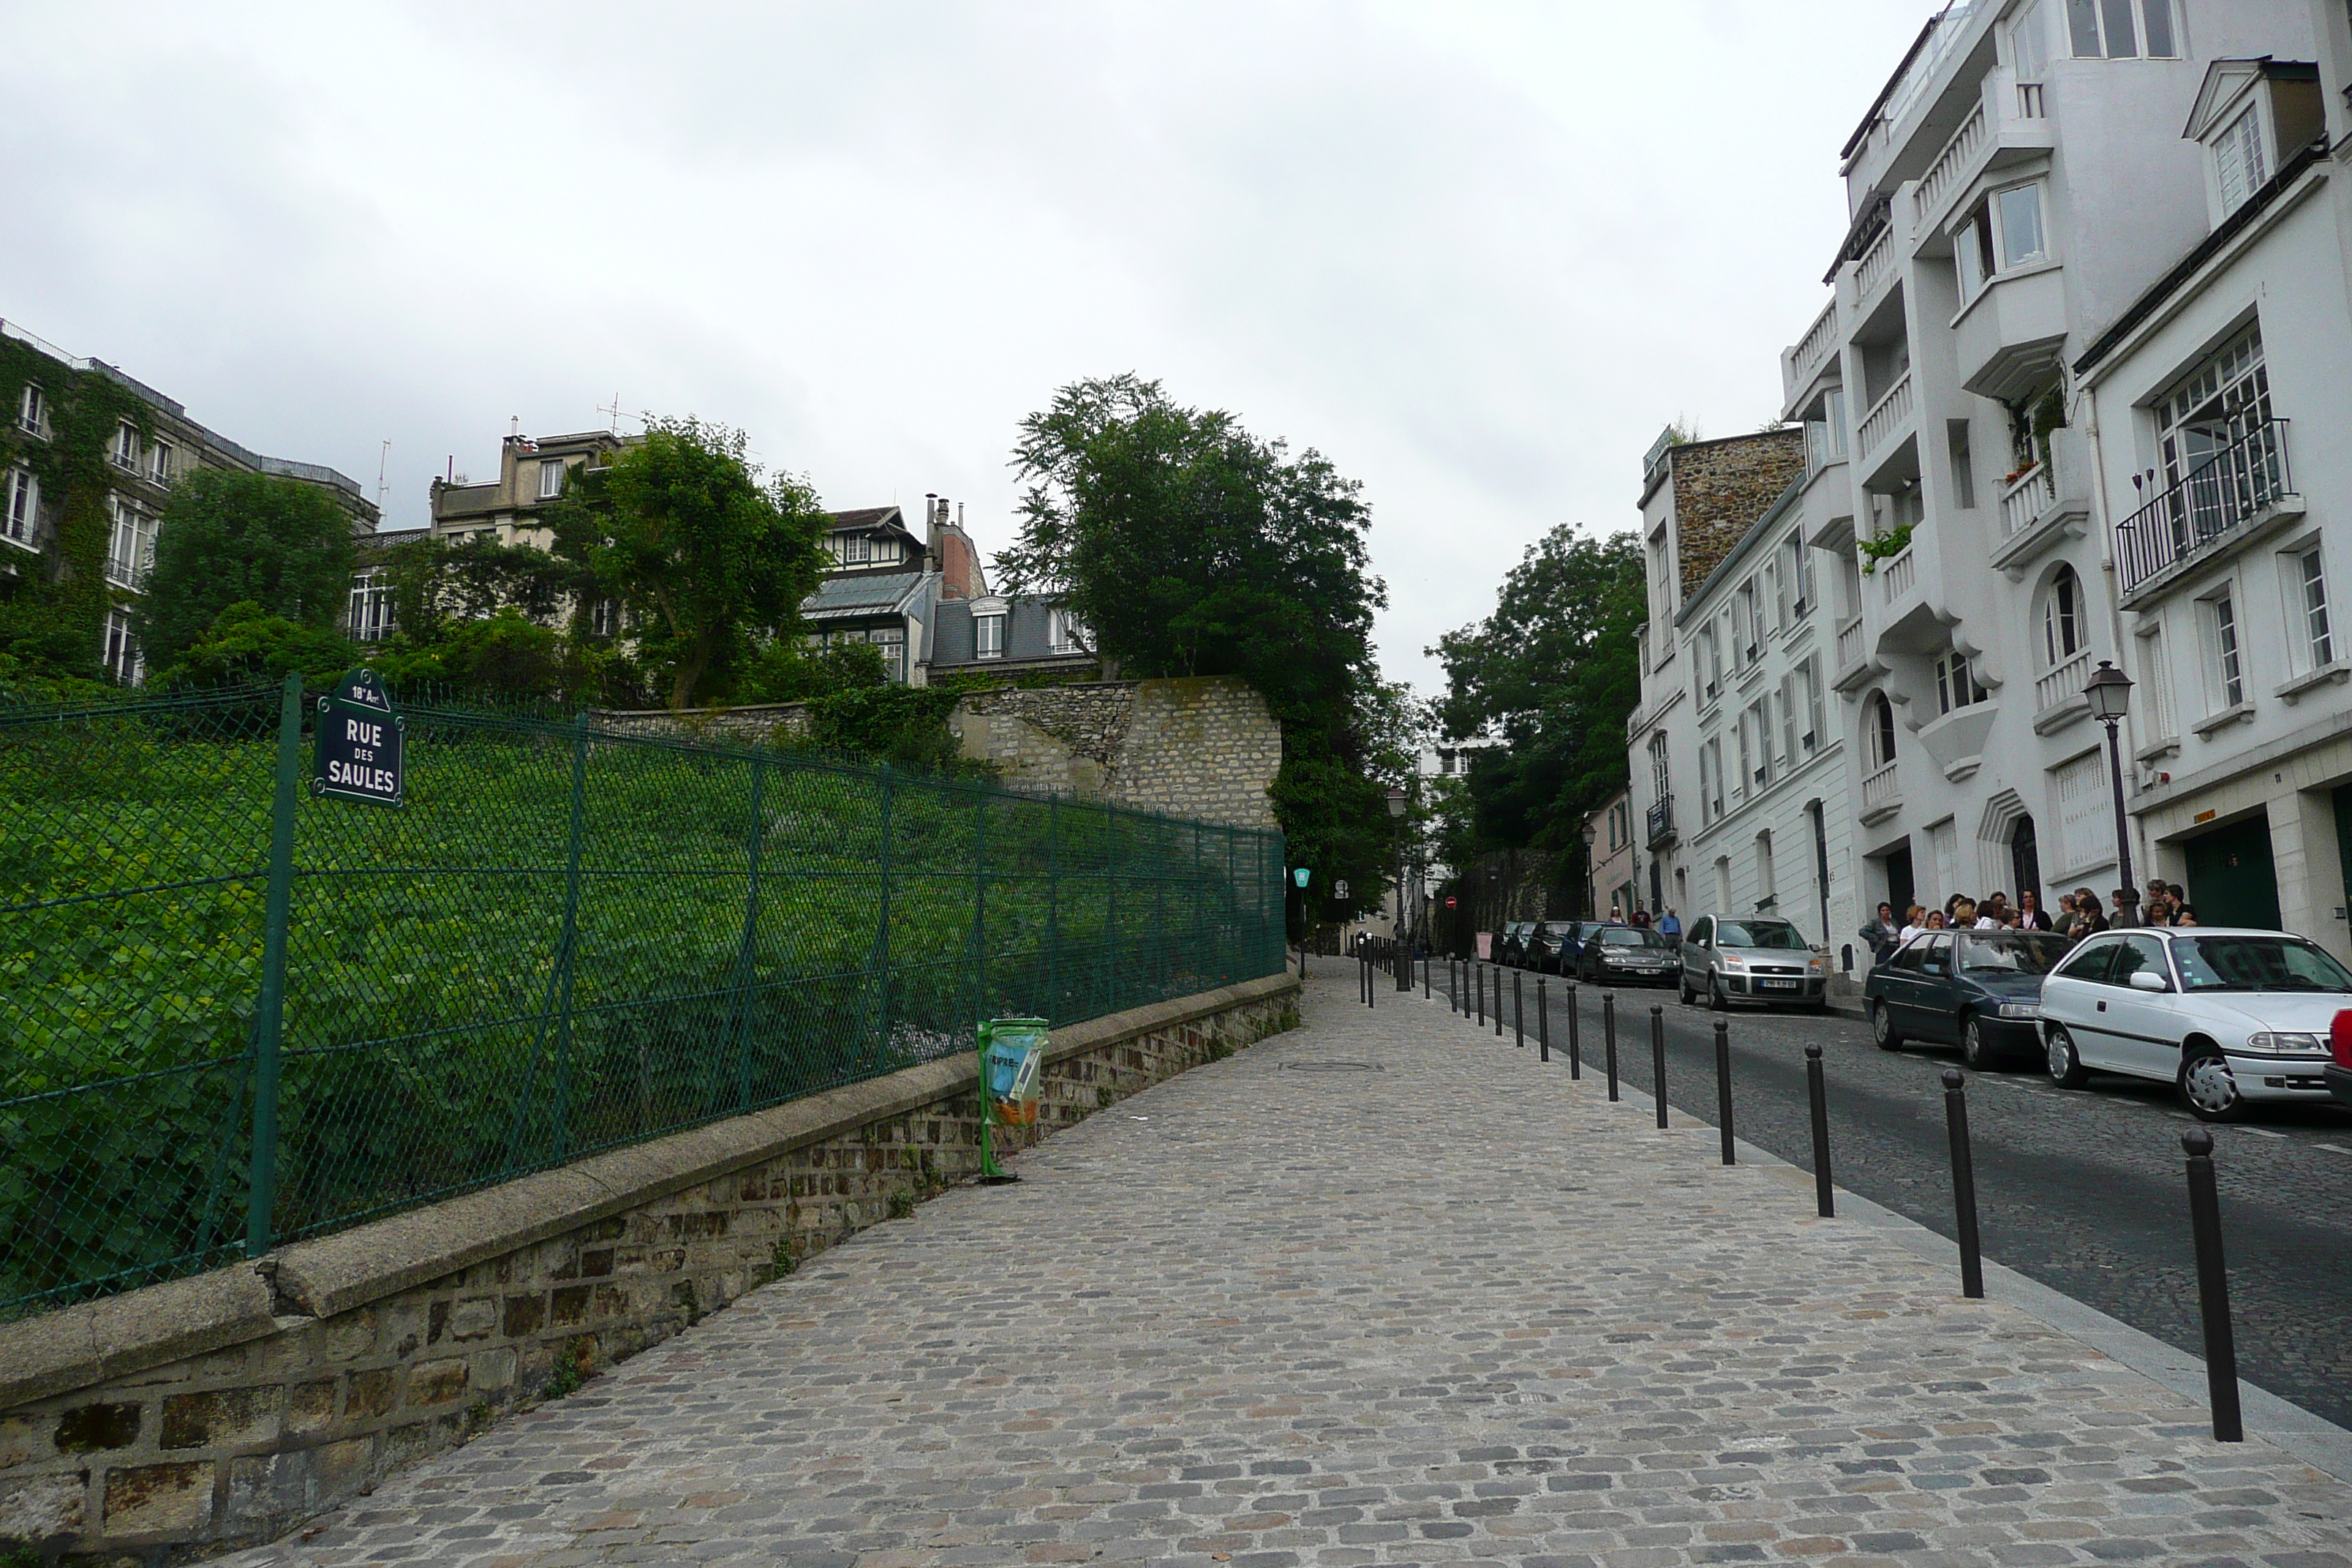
pixel 933 506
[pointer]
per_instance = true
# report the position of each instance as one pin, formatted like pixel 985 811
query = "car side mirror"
pixel 2148 980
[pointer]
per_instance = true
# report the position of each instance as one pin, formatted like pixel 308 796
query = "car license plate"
pixel 1780 984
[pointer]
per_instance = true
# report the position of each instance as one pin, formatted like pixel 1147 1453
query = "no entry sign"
pixel 359 750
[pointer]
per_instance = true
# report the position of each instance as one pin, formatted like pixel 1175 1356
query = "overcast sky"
pixel 1477 253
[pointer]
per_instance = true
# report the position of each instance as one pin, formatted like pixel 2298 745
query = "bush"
pixel 249 645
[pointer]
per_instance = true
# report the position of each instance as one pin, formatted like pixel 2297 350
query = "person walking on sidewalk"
pixel 1883 933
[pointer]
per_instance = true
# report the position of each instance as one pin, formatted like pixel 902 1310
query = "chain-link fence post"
pixel 269 1008
pixel 979 907
pixel 747 954
pixel 567 950
pixel 1053 1007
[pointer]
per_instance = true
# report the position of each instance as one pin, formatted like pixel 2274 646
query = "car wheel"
pixel 2208 1088
pixel 1682 991
pixel 1882 1028
pixel 2066 1068
pixel 1979 1055
pixel 1715 997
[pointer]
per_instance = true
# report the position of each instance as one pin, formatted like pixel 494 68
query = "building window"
pixel 1745 627
pixel 2239 160
pixel 2310 607
pixel 1711 766
pixel 120 650
pixel 2156 674
pixel 1956 687
pixel 2227 669
pixel 1964 468
pixel 550 479
pixel 159 462
pixel 856 549
pixel 1767 893
pixel 604 618
pixel 2061 619
pixel 371 606
pixel 988 636
pixel 2022 240
pixel 1816 718
pixel 2030 44
pixel 20 506
pixel 892 641
pixel 1065 631
pixel 2003 234
pixel 126 447
pixel 1882 730
pixel 1658 781
pixel 2116 29
pixel 131 550
pixel 29 410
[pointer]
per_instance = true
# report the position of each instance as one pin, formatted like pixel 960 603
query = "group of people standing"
pixel 2077 916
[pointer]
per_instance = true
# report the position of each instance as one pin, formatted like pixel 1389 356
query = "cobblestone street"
pixel 1378 1291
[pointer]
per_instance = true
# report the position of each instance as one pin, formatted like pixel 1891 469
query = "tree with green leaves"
pixel 227 538
pixel 1191 547
pixel 708 560
pixel 1555 672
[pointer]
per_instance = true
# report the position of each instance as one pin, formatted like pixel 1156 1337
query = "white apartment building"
pixel 2219 404
pixel 1740 755
pixel 2018 185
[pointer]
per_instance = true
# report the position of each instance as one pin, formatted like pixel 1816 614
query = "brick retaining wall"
pixel 228 1406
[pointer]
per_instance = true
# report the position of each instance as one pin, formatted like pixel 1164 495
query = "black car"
pixel 1626 955
pixel 1980 990
pixel 1510 948
pixel 1545 945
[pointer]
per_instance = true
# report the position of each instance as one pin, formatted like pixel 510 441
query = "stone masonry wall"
pixel 359 1353
pixel 1721 488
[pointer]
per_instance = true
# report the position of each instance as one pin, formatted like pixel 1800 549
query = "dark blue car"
pixel 1979 990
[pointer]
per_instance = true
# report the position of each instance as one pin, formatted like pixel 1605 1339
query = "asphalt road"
pixel 2081 1190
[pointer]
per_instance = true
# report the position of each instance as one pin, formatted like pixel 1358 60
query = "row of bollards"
pixel 2204 1198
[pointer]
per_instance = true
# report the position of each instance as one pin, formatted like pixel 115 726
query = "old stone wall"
pixel 1721 488
pixel 166 1422
pixel 1205 747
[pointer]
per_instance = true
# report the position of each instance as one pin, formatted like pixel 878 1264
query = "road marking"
pixel 2262 1131
pixel 2332 1148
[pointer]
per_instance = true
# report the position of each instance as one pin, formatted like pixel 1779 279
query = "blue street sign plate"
pixel 358 755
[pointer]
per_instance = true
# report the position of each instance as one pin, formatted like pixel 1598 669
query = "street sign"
pixel 1449 903
pixel 1339 889
pixel 359 749
pixel 1300 876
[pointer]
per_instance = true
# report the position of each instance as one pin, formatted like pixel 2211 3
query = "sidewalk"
pixel 1379 1290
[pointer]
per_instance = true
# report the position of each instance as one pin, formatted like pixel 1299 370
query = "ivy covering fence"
pixel 233 1014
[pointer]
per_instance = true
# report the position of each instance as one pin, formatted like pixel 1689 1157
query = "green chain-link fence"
pixel 568 940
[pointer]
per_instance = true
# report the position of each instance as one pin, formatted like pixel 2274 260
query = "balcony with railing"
pixel 1876 266
pixel 2220 502
pixel 1887 418
pixel 2027 497
pixel 2058 694
pixel 1943 173
pixel 1662 822
pixel 127 571
pixel 1899 575
pixel 1882 794
pixel 1813 350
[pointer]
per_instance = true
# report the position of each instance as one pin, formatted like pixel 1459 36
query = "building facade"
pixel 1616 875
pixel 148 447
pixel 2220 408
pixel 2018 184
pixel 1740 768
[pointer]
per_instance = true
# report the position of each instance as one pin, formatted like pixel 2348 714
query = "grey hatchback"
pixel 1754 959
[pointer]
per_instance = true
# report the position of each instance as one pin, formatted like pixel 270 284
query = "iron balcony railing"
pixel 2215 499
pixel 1662 821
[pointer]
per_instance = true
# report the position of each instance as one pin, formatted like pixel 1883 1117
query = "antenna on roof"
pixel 514 425
pixel 613 413
pixel 382 460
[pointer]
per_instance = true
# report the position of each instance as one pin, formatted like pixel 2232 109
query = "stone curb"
pixel 102 1340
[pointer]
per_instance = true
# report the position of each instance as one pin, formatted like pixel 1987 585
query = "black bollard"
pixel 1658 1058
pixel 1723 1086
pixel 1428 963
pixel 1817 1090
pixel 2214 1287
pixel 1543 1023
pixel 1478 979
pixel 1609 1035
pixel 1518 1010
pixel 1964 1184
pixel 1575 1037
pixel 1498 1003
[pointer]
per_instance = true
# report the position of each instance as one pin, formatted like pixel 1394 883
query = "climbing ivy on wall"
pixel 53 610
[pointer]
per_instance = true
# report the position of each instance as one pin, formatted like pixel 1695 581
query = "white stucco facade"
pixel 2019 184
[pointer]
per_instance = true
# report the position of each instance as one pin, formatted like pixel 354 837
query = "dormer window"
pixel 856 549
pixel 2254 116
pixel 550 479
pixel 988 636
pixel 2237 160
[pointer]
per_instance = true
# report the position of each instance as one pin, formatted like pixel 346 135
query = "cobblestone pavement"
pixel 1285 1310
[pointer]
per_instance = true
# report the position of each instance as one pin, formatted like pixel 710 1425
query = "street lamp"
pixel 1591 887
pixel 1398 800
pixel 2109 695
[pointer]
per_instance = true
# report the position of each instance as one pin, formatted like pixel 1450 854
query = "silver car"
pixel 1753 959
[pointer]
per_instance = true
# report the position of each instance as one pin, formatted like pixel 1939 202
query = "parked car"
pixel 1511 944
pixel 1980 990
pixel 1628 955
pixel 1753 958
pixel 2231 1017
pixel 1544 942
pixel 1560 942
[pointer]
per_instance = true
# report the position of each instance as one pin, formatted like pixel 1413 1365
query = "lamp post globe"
pixel 2109 695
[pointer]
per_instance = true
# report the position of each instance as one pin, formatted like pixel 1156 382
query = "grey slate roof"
pixel 1028 632
pixel 861 593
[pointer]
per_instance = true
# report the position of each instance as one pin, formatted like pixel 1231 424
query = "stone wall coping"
pixel 104 1340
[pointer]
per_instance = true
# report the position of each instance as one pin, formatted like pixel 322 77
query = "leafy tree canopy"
pixel 227 539
pixel 1553 671
pixel 249 644
pixel 708 559
pixel 1192 547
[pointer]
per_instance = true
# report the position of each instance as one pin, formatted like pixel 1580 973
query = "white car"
pixel 2231 1016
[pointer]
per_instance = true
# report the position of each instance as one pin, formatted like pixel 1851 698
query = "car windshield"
pixel 1758 933
pixel 2258 963
pixel 1628 936
pixel 2012 953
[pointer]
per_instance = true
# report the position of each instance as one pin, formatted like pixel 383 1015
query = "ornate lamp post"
pixel 1591 888
pixel 1398 801
pixel 2110 694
